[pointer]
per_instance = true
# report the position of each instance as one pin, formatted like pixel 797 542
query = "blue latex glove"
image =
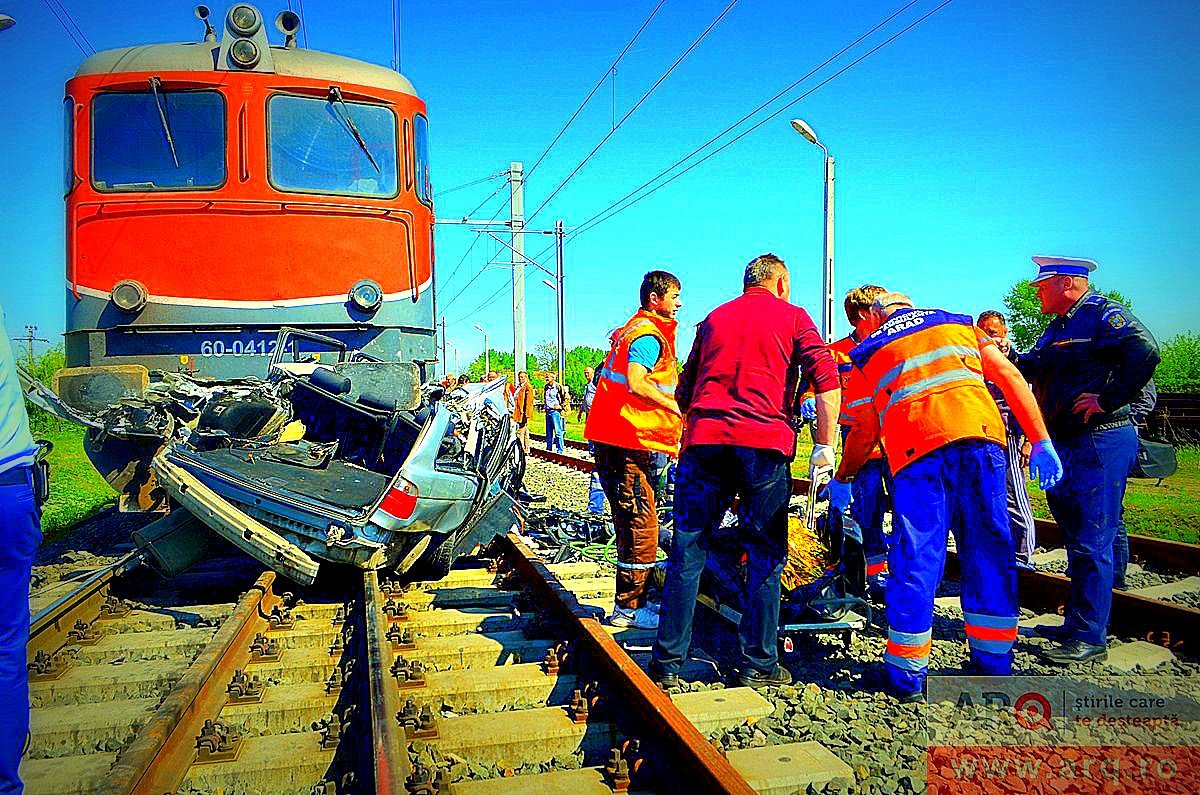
pixel 808 409
pixel 1044 465
pixel 839 495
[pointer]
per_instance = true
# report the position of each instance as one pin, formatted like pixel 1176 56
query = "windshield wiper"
pixel 155 84
pixel 335 96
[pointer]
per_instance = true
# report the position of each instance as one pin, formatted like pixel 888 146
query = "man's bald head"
pixel 888 303
pixel 883 307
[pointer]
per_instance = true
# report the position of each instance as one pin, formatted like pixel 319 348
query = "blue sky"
pixel 989 133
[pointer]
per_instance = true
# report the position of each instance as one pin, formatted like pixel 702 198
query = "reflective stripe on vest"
pixel 617 378
pixel 923 369
pixel 622 419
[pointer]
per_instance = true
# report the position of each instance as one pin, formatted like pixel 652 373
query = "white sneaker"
pixel 635 618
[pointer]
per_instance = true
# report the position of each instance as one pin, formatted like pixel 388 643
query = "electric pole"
pixel 516 180
pixel 30 338
pixel 562 324
pixel 445 353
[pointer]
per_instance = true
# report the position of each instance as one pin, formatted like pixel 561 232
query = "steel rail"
pixel 48 630
pixel 691 754
pixel 159 757
pixel 388 747
pixel 1157 620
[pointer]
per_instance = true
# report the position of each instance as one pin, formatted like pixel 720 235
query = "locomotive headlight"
pixel 367 295
pixel 129 296
pixel 244 20
pixel 244 53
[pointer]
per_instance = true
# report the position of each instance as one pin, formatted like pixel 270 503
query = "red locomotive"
pixel 221 189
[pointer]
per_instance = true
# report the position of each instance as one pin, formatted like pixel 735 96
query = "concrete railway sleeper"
pixel 1157 614
pixel 500 679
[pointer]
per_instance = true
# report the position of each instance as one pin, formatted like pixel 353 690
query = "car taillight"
pixel 401 501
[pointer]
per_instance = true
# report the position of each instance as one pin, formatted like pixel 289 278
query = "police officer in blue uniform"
pixel 20 535
pixel 1091 362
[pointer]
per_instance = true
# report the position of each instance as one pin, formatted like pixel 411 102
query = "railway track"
pixel 1149 614
pixel 497 678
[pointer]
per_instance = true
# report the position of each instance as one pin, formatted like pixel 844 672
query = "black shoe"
pixel 749 677
pixel 526 497
pixel 667 681
pixel 912 698
pixel 1075 651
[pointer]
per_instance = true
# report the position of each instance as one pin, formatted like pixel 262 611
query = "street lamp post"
pixel 560 300
pixel 562 317
pixel 827 271
pixel 455 347
pixel 487 361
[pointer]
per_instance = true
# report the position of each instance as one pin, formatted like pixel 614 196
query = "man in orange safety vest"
pixel 633 415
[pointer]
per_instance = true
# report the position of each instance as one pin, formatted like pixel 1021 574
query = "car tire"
pixel 435 563
pixel 517 473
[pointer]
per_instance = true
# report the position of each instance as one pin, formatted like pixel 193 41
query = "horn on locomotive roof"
pixel 288 23
pixel 202 15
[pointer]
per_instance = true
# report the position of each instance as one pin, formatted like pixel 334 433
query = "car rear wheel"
pixel 435 563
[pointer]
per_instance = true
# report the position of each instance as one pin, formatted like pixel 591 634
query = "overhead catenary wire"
pixel 625 203
pixel 473 182
pixel 73 31
pixel 396 35
pixel 303 21
pixel 646 95
pixel 599 83
pixel 463 259
pixel 595 88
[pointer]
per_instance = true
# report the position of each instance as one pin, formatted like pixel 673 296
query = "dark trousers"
pixel 955 489
pixel 863 548
pixel 1020 511
pixel 626 477
pixel 710 476
pixel 21 529
pixel 1087 506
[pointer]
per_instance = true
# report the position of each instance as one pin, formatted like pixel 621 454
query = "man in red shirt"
pixel 738 390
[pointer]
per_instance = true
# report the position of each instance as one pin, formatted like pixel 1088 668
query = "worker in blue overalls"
pixel 924 372
pixel 1090 363
pixel 20 535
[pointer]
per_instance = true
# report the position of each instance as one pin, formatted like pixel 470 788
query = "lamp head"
pixel 802 127
pixel 6 22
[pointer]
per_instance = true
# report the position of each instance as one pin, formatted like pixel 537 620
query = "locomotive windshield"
pixel 332 146
pixel 158 140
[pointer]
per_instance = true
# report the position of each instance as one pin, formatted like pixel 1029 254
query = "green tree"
pixel 43 368
pixel 1179 369
pixel 1025 319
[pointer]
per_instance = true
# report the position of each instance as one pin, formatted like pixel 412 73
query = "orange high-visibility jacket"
pixel 851 402
pixel 923 369
pixel 621 418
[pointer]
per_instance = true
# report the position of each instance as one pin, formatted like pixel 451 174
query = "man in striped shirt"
pixel 1020 512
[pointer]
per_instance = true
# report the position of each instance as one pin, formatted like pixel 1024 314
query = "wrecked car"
pixel 335 456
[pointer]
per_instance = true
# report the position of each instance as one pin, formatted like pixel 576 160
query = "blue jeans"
pixel 21 528
pixel 959 489
pixel 1087 506
pixel 555 431
pixel 709 478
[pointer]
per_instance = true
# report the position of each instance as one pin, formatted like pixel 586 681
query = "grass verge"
pixel 76 490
